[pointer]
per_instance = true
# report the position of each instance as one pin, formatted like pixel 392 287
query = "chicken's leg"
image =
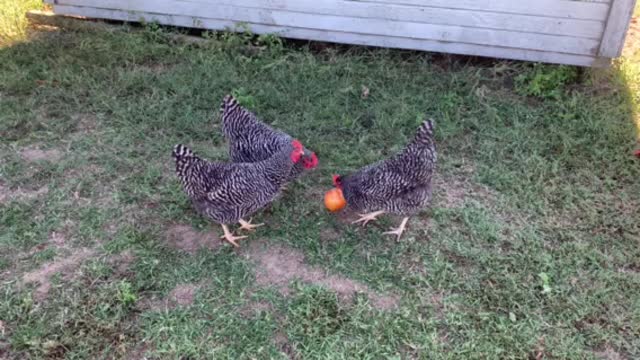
pixel 399 230
pixel 247 225
pixel 229 236
pixel 365 218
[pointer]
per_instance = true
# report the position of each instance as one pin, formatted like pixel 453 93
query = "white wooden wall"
pixel 586 33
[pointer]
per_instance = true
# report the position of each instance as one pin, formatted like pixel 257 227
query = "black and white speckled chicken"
pixel 229 192
pixel 251 140
pixel 399 185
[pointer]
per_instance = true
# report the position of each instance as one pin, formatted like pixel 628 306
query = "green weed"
pixel 546 81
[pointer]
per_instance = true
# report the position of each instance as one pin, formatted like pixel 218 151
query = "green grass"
pixel 540 256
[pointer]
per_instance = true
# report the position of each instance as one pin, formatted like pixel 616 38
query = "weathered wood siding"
pixel 585 33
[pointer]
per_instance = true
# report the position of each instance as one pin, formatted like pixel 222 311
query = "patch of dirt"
pixel 278 265
pixel 7 195
pixel 181 296
pixel 255 307
pixel 159 68
pixel 84 170
pixel 608 354
pixel 138 351
pixel 57 239
pixel 66 266
pixel 281 340
pixel 452 191
pixel 187 239
pixel 630 270
pixel 122 261
pixel 85 122
pixel 33 154
pixel 328 233
pixel 437 300
pixel 347 216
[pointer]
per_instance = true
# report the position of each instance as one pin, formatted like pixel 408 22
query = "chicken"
pixel 398 185
pixel 229 192
pixel 251 140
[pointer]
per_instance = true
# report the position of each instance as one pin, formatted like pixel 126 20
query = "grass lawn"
pixel 531 248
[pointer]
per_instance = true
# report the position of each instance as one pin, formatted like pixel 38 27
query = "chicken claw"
pixel 247 225
pixel 399 230
pixel 365 218
pixel 229 236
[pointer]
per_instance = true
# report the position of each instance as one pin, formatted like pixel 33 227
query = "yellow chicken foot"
pixel 229 236
pixel 247 225
pixel 365 218
pixel 399 230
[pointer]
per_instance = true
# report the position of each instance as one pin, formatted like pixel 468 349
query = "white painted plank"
pixel 440 16
pixel 551 8
pixel 616 28
pixel 337 37
pixel 555 43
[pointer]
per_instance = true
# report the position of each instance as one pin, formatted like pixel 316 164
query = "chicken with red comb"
pixel 252 140
pixel 398 185
pixel 229 192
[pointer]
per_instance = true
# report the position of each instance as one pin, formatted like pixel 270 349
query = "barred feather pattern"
pixel 400 184
pixel 252 140
pixel 227 192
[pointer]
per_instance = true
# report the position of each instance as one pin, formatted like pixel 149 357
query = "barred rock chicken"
pixel 251 140
pixel 400 184
pixel 229 192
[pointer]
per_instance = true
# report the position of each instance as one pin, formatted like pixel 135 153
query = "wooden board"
pixel 551 8
pixel 616 29
pixel 338 37
pixel 420 14
pixel 368 26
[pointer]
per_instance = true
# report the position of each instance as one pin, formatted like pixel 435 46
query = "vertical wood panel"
pixel 616 28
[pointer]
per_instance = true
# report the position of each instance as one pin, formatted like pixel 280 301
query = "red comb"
pixel 314 160
pixel 336 181
pixel 297 144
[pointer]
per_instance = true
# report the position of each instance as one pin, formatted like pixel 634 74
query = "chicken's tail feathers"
pixel 185 159
pixel 425 132
pixel 229 104
pixel 235 118
pixel 182 152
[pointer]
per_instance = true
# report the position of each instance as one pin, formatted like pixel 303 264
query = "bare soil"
pixel 183 294
pixel 66 266
pixel 34 154
pixel 278 265
pixel 187 239
pixel 6 194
